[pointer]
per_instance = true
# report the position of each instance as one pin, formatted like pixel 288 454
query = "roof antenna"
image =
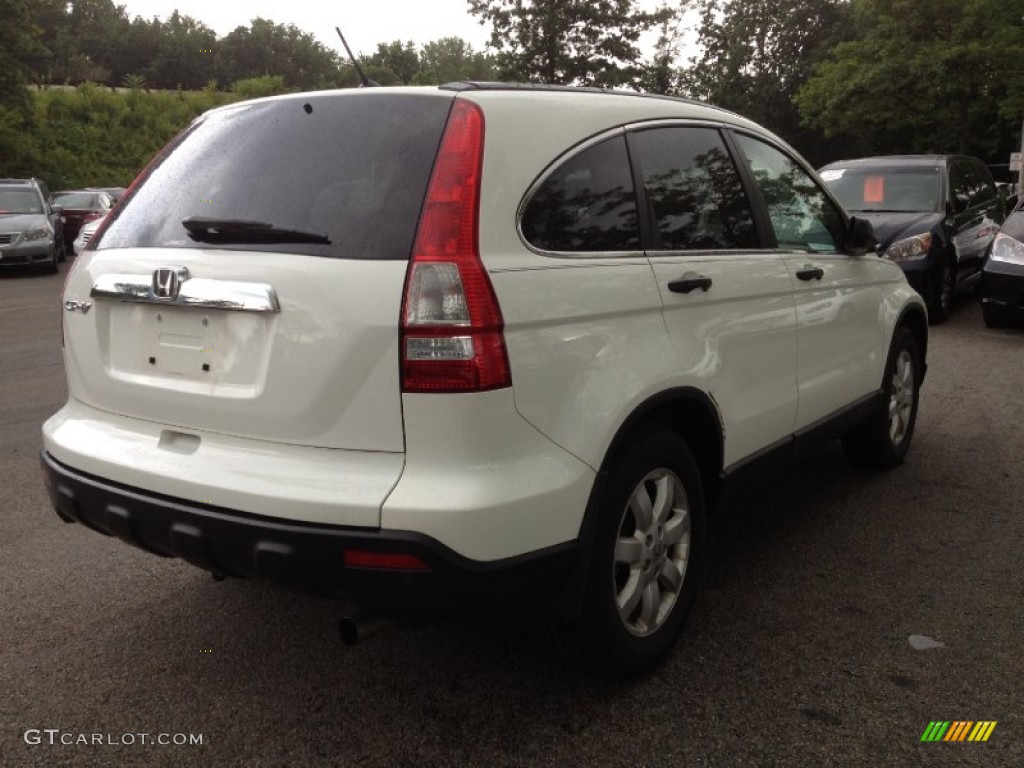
pixel 366 82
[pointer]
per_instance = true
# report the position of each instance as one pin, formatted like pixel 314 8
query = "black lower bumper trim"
pixel 307 557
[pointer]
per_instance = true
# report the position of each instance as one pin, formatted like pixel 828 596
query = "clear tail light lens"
pixel 452 328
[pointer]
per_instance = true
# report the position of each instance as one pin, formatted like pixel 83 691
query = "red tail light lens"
pixel 388 561
pixel 452 328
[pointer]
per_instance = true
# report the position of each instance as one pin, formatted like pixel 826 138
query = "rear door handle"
pixel 810 273
pixel 691 281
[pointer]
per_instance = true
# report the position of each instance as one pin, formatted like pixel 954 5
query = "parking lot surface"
pixel 799 651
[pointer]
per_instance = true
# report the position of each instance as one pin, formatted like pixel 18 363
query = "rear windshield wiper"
pixel 246 231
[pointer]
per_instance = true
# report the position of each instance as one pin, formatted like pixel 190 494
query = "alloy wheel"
pixel 901 397
pixel 651 552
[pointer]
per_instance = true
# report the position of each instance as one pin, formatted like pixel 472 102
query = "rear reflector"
pixel 389 561
pixel 452 328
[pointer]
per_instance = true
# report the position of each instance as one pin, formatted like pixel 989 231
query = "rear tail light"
pixel 452 329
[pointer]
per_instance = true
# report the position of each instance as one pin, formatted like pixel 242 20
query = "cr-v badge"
pixel 78 306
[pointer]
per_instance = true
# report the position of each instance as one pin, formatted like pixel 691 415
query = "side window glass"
pixel 959 187
pixel 695 198
pixel 801 215
pixel 587 205
pixel 982 188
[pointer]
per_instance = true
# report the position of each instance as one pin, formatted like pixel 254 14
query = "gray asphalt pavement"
pixel 797 653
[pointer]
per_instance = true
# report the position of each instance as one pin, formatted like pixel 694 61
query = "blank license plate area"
pixel 201 345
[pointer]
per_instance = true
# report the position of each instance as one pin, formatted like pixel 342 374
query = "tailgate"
pixel 299 350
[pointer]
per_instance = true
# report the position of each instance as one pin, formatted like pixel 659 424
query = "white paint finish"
pixel 843 338
pixel 289 482
pixel 737 341
pixel 482 481
pixel 322 372
pixel 587 344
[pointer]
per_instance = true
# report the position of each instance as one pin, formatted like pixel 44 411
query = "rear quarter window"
pixel 586 205
pixel 352 167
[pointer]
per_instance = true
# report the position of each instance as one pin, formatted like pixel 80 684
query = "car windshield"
pixel 20 201
pixel 891 190
pixel 77 199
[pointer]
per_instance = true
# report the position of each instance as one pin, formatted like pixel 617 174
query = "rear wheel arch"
pixel 916 321
pixel 689 413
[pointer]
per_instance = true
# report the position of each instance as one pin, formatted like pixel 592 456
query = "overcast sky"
pixel 364 23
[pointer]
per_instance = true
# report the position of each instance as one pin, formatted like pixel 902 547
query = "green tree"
pixel 661 74
pixel 185 53
pixel 266 48
pixel 398 58
pixel 19 39
pixel 577 42
pixel 758 53
pixel 450 59
pixel 935 76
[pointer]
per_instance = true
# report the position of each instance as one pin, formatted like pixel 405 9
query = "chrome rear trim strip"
pixel 201 293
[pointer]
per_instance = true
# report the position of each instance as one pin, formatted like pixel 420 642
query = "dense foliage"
pixel 832 77
pixel 583 42
pixel 941 76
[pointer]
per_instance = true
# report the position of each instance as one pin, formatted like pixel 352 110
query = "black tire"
pixel 51 266
pixel 941 288
pixel 884 439
pixel 994 317
pixel 656 588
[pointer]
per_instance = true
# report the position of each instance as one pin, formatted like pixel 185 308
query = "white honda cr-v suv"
pixel 481 344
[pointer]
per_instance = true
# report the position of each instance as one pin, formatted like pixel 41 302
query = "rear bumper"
pixel 308 557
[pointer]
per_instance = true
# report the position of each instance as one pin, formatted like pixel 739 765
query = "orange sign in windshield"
pixel 874 189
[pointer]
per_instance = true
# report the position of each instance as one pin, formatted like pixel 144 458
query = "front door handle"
pixel 810 273
pixel 691 281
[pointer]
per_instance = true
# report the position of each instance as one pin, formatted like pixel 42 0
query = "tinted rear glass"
pixel 693 190
pixel 352 167
pixel 587 204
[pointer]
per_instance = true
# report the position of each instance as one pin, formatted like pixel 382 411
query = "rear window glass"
pixel 897 190
pixel 587 205
pixel 350 169
pixel 78 200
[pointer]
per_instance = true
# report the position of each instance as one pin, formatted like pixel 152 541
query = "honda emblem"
pixel 167 282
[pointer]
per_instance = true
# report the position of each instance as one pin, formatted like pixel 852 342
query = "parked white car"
pixel 85 235
pixel 444 348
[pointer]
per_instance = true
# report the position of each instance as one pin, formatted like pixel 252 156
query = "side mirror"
pixel 860 237
pixel 57 209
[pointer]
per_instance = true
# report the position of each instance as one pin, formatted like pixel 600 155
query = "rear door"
pixel 252 284
pixel 728 302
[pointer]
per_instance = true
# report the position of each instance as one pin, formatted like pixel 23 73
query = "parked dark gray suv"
pixel 934 215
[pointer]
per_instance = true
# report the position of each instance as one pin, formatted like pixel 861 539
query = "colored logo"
pixel 958 730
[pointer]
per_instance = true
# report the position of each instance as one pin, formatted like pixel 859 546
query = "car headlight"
pixel 40 233
pixel 1006 248
pixel 909 248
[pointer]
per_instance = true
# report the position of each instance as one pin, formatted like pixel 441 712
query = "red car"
pixel 81 206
